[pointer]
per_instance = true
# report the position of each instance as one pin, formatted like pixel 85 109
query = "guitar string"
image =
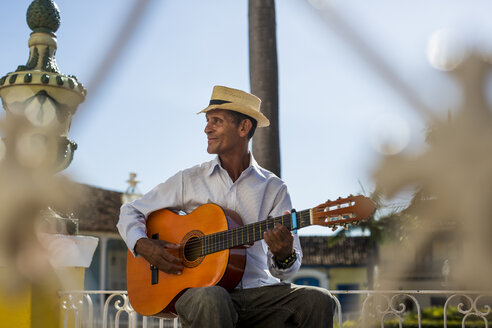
pixel 229 234
pixel 225 239
pixel 229 238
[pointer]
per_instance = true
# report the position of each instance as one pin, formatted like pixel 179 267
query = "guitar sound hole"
pixel 192 249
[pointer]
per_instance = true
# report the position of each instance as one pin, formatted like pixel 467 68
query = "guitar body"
pixel 153 292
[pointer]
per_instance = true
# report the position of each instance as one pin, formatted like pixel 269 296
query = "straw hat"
pixel 238 101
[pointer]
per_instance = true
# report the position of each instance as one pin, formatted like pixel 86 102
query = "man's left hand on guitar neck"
pixel 280 241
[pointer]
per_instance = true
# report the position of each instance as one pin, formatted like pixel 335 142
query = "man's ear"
pixel 244 127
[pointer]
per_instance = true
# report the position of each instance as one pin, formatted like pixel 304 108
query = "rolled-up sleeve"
pixel 133 215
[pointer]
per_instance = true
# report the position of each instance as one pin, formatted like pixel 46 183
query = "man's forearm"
pixel 131 226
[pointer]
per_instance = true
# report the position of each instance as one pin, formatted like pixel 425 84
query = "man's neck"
pixel 235 165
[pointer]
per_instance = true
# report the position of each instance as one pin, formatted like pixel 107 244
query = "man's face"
pixel 222 132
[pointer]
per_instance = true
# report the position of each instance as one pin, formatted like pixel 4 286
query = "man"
pixel 236 182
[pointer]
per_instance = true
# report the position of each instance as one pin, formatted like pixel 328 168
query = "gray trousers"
pixel 285 305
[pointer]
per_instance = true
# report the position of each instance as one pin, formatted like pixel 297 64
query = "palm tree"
pixel 264 80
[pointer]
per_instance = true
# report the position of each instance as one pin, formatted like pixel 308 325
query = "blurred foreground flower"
pixel 28 186
pixel 454 179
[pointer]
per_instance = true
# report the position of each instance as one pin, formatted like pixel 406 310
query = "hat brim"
pixel 259 117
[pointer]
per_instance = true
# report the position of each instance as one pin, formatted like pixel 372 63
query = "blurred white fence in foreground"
pixel 94 309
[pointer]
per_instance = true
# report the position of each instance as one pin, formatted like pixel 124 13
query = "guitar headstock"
pixel 343 211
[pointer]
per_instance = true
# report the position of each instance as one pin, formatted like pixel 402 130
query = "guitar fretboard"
pixel 250 233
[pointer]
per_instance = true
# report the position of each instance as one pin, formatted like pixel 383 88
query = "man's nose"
pixel 208 128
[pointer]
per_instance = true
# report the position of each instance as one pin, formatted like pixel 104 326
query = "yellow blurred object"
pixel 39 306
pixel 15 310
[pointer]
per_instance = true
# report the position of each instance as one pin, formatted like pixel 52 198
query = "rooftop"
pixel 346 252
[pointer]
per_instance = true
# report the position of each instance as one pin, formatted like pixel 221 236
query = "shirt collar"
pixel 213 164
pixel 253 165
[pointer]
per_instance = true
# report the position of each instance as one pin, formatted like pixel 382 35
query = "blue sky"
pixel 336 110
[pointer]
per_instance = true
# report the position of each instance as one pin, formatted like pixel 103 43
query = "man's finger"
pixel 168 257
pixel 170 270
pixel 170 245
pixel 168 265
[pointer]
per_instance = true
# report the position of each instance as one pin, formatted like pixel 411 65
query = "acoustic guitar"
pixel 212 248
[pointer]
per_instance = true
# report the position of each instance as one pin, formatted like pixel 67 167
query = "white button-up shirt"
pixel 256 195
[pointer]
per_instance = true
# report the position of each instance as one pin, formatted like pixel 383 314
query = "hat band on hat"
pixel 218 102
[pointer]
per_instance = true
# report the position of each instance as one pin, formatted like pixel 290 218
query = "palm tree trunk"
pixel 264 80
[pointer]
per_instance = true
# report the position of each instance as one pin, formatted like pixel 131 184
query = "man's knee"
pixel 212 297
pixel 319 298
pixel 211 305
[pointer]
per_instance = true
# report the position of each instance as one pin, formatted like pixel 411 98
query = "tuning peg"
pixel 345 226
pixel 355 222
pixel 333 227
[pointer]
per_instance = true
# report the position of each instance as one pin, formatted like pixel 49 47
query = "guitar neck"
pixel 250 233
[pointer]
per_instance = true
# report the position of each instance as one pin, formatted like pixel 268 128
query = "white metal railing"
pixel 94 309
pixel 379 305
pixel 105 308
